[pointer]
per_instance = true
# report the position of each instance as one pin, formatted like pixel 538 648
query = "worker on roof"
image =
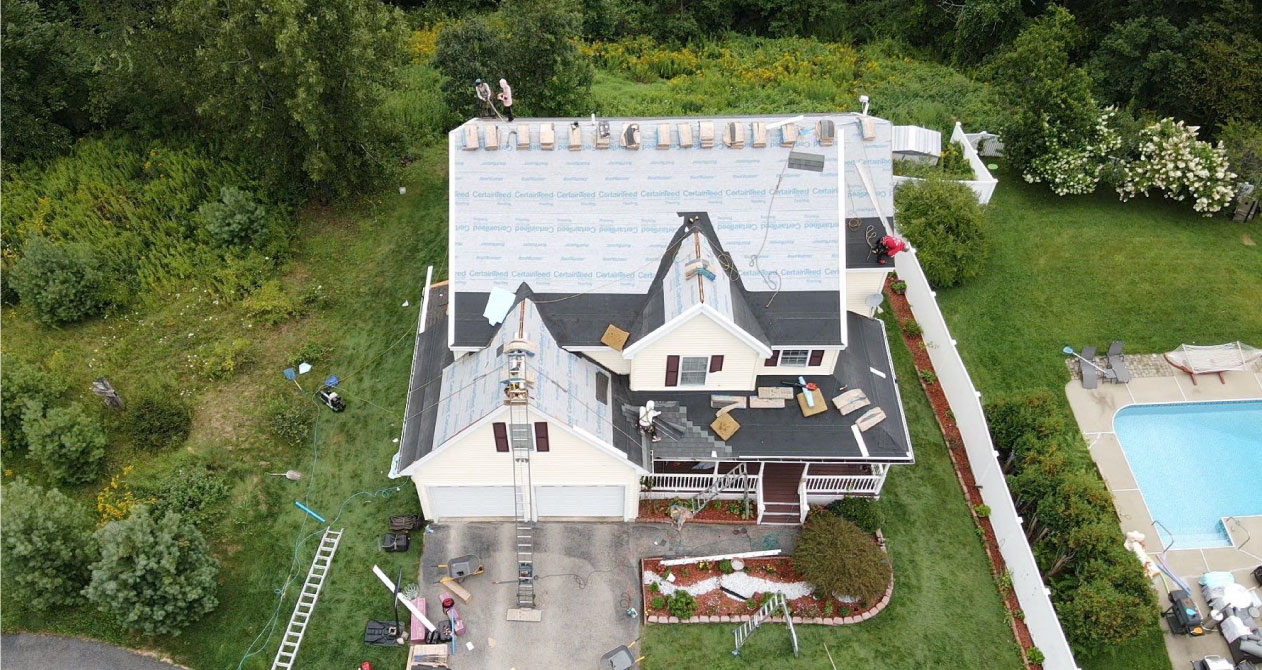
pixel 647 415
pixel 483 91
pixel 506 98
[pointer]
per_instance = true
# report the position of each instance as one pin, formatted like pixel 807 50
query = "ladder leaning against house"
pixel 517 397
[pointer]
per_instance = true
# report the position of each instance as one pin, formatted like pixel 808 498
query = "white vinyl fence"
pixel 966 405
pixel 985 183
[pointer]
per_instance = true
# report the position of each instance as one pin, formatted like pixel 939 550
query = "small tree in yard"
pixel 48 545
pixel 20 383
pixel 1099 615
pixel 65 440
pixel 62 282
pixel 945 223
pixel 155 575
pixel 839 558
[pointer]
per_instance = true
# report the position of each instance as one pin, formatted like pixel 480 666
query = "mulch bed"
pixel 718 511
pixel 959 458
pixel 716 603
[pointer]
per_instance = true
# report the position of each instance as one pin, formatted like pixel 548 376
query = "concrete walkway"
pixel 25 651
pixel 1094 409
pixel 586 575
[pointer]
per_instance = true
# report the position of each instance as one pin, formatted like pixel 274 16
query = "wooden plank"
pixel 722 400
pixel 820 405
pixel 784 392
pixel 766 403
pixel 456 589
pixel 529 615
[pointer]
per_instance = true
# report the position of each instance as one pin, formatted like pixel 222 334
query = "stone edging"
pixel 822 621
pixel 712 522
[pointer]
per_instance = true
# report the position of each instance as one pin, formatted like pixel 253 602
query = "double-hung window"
pixel 693 369
pixel 794 358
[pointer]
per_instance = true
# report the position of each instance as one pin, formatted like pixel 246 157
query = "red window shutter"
pixel 817 357
pixel 716 364
pixel 672 371
pixel 775 358
pixel 541 436
pixel 501 436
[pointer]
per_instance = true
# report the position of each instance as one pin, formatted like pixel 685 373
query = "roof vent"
pixel 576 137
pixel 523 136
pixel 685 135
pixel 760 135
pixel 734 135
pixel 706 136
pixel 547 137
pixel 521 345
pixel 663 136
pixel 826 131
pixel 602 135
pixel 471 142
pixel 630 138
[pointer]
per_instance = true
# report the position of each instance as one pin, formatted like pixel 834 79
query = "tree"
pixel 48 545
pixel 43 82
pixel 1135 64
pixel 547 70
pixel 155 575
pixel 1099 615
pixel 982 26
pixel 946 225
pixel 468 50
pixel 1243 143
pixel 22 382
pixel 61 282
pixel 838 557
pixel 65 440
pixel 235 219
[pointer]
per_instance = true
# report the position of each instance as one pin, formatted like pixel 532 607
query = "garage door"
pixel 606 501
pixel 472 501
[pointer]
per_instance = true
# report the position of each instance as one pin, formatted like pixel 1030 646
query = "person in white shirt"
pixel 647 414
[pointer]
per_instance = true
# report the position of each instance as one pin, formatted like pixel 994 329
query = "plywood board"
pixel 820 407
pixel 725 426
pixel 615 337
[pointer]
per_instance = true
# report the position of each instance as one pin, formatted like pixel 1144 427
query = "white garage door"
pixel 472 501
pixel 607 501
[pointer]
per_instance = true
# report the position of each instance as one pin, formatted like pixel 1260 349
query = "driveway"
pixel 24 651
pixel 585 572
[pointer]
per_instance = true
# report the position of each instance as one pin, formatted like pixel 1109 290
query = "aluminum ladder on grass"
pixel 307 599
pixel 521 444
pixel 769 607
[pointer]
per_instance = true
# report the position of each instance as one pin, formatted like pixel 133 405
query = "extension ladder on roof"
pixel 306 600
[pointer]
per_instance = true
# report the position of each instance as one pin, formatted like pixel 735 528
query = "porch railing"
pixel 695 483
pixel 829 484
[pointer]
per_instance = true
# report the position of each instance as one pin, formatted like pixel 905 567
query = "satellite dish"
pixel 874 303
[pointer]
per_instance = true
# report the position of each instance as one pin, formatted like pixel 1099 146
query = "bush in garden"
pixel 681 604
pixel 269 304
pixel 1243 143
pixel 288 420
pixel 946 225
pixel 157 418
pixel 61 282
pixel 235 219
pixel 48 545
pixel 115 500
pixel 67 442
pixel 725 566
pixel 155 575
pixel 1012 418
pixel 192 493
pixel 311 351
pixel 223 358
pixel 1172 160
pixel 1099 615
pixel 21 383
pixel 840 558
pixel 1074 165
pixel 657 603
pixel 866 513
pixel 912 328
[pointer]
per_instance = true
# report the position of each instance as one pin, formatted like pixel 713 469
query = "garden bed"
pixel 718 511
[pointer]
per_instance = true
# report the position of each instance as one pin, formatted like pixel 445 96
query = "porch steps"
pixel 782 514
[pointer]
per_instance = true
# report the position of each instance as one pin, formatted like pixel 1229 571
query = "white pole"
pixel 416 612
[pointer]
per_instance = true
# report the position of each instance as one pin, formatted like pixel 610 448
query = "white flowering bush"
pixel 1072 165
pixel 1173 160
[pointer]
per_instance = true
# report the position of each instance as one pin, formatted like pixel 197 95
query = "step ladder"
pixel 306 600
pixel 769 607
pixel 521 443
pixel 738 474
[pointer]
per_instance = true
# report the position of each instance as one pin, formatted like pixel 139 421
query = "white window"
pixel 795 358
pixel 692 370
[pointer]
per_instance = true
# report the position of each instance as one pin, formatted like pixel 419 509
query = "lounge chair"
pixel 1117 362
pixel 851 401
pixel 870 418
pixel 1090 375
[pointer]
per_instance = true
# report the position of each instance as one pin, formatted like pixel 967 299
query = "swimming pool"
pixel 1195 463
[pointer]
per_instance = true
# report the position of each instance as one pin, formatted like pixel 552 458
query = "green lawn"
pixel 368 262
pixel 946 611
pixel 1089 270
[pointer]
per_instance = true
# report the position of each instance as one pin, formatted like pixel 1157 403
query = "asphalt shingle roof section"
pixel 785 433
pixel 861 234
pixel 429 357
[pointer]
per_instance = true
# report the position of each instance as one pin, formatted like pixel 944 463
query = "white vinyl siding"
pixel 699 337
pixel 693 369
pixel 862 283
pixel 794 358
pixel 609 358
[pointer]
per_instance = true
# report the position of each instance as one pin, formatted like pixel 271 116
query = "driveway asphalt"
pixel 586 573
pixel 24 651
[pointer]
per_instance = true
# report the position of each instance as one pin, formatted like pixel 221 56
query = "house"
pixel 598 265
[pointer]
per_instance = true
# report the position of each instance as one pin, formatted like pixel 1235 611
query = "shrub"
pixel 157 418
pixel 1172 160
pixel 681 604
pixel 725 566
pixel 235 219
pixel 928 376
pixel 67 442
pixel 912 328
pixel 982 510
pixel 311 351
pixel 192 493
pixel 116 500
pixel 865 513
pixel 288 420
pixel 21 383
pixel 223 358
pixel 269 304
pixel 48 545
pixel 1013 418
pixel 840 558
pixel 898 286
pixel 658 603
pixel 945 223
pixel 1035 655
pixel 61 282
pixel 155 575
pixel 1099 615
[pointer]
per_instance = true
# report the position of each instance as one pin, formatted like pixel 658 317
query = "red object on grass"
pixel 365 666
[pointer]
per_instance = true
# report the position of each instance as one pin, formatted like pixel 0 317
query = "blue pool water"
pixel 1195 464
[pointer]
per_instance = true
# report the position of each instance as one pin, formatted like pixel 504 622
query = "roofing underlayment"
pixel 680 292
pixel 597 219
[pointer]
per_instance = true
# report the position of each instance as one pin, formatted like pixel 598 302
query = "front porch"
pixel 781 491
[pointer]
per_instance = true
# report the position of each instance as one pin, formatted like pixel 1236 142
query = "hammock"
pixel 1195 359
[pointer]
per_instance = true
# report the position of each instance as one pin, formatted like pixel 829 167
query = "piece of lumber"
pixel 417 629
pixel 766 403
pixel 820 406
pixel 783 392
pixel 456 589
pixel 723 400
pixel 527 615
pixel 615 337
pixel 725 426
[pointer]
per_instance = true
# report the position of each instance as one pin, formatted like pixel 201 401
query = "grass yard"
pixel 368 262
pixel 1089 270
pixel 946 611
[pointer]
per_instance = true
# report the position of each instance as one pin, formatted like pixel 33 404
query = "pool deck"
pixel 1155 383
